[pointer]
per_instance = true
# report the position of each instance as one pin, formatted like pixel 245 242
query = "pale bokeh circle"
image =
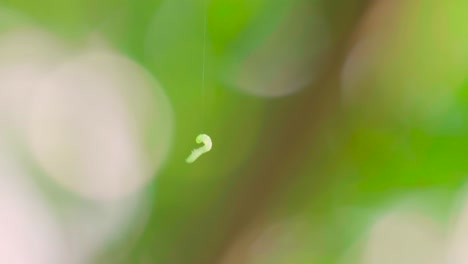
pixel 287 59
pixel 404 238
pixel 100 126
pixel 29 232
pixel 457 252
pixel 408 61
pixel 91 227
pixel 26 55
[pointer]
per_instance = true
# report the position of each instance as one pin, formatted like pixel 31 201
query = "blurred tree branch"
pixel 290 136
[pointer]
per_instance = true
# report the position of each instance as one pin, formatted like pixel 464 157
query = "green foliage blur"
pixel 395 132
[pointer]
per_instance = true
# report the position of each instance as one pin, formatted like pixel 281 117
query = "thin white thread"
pixel 205 7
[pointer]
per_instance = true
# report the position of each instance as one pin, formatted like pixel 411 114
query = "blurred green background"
pixel 325 116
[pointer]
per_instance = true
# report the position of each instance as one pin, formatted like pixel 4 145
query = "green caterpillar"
pixel 196 153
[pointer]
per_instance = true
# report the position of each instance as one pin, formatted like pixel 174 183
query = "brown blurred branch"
pixel 290 137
